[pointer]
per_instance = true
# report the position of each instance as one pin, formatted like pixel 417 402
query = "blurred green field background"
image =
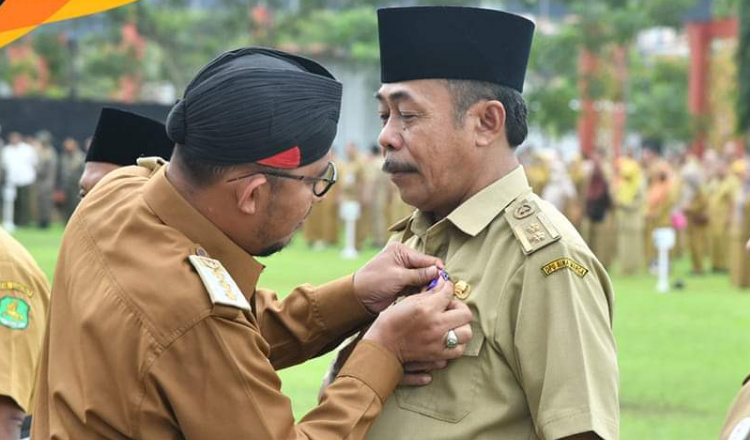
pixel 682 355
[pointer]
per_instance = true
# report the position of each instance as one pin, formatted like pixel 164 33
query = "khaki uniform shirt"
pixel 24 300
pixel 737 425
pixel 137 348
pixel 541 362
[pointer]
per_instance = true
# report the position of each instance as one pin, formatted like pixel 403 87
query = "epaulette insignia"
pixel 16 287
pixel 532 228
pixel 152 163
pixel 221 287
pixel 564 263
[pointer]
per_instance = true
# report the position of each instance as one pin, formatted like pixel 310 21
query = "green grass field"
pixel 682 355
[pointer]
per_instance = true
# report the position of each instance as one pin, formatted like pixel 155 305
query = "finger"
pixel 415 379
pixel 439 298
pixel 449 353
pixel 419 277
pixel 464 334
pixel 413 259
pixel 453 319
pixel 415 367
pixel 455 305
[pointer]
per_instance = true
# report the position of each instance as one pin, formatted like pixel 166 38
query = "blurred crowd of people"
pixel 360 179
pixel 617 204
pixel 39 180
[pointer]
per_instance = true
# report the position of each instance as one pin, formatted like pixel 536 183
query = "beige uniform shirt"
pixel 138 347
pixel 542 361
pixel 737 425
pixel 24 300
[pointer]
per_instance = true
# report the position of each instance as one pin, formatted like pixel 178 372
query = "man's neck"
pixel 486 176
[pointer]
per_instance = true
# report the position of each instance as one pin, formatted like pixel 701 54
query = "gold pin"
pixel 461 289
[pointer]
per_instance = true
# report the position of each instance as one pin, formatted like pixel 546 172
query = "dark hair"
pixel 199 173
pixel 467 93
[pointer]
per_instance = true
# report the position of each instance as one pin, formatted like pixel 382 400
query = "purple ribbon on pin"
pixel 441 274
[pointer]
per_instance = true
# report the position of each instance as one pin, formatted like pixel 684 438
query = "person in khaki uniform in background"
pixel 46 177
pixel 737 423
pixel 660 197
pixel 352 174
pixel 721 193
pixel 542 361
pixel 157 329
pixel 119 139
pixel 696 211
pixel 629 198
pixel 379 183
pixel 598 226
pixel 739 263
pixel 321 228
pixel 24 301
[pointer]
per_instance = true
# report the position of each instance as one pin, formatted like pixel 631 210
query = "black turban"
pixel 258 105
pixel 453 42
pixel 121 137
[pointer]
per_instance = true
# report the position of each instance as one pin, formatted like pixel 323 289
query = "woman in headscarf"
pixel 629 203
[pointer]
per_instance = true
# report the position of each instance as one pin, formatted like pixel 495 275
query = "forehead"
pixel 423 91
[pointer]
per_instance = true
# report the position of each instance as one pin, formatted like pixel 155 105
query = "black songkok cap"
pixel 258 105
pixel 121 137
pixel 452 42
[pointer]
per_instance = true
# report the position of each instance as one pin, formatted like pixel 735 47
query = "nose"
pixel 390 136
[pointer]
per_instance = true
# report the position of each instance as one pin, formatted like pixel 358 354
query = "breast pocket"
pixel 452 393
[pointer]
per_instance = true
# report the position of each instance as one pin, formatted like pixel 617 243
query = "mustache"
pixel 393 166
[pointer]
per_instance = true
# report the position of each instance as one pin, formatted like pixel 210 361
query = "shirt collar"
pixel 475 214
pixel 167 203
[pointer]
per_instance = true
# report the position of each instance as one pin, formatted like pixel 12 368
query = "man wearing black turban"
pixel 156 327
pixel 120 139
pixel 541 363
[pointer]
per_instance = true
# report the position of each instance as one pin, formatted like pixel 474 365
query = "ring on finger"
pixel 451 339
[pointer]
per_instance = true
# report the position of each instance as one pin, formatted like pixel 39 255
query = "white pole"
pixel 350 211
pixel 9 198
pixel 663 284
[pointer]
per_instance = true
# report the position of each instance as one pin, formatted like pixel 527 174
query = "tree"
pixel 657 104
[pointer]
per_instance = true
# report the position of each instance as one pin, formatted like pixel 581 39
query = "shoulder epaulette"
pixel 152 163
pixel 530 225
pixel 220 286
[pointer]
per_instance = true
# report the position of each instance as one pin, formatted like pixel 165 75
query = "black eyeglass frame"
pixel 329 181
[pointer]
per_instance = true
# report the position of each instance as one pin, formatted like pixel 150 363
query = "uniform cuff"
pixel 339 308
pixel 579 422
pixel 375 366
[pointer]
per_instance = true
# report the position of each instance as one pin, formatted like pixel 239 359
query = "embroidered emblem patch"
pixel 14 313
pixel 564 263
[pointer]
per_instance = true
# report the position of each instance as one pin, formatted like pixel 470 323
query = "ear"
pixel 250 192
pixel 490 122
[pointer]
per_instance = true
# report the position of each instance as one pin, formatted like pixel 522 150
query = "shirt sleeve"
pixel 310 320
pixel 24 300
pixel 218 383
pixel 564 349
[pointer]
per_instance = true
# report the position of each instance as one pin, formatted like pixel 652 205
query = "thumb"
pixel 419 277
pixel 413 259
pixel 442 296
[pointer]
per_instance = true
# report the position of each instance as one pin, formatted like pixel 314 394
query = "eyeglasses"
pixel 320 186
